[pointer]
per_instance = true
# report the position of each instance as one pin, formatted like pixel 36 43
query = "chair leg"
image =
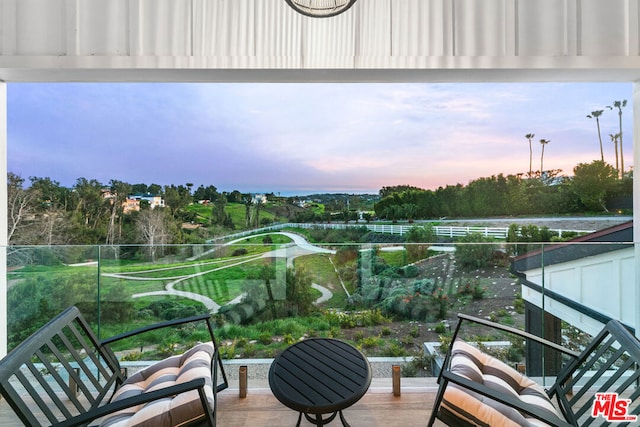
pixel 438 402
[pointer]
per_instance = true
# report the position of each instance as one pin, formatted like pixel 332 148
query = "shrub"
pixel 239 252
pixel 407 340
pixel 472 288
pixel 168 309
pixel 228 351
pixel 420 362
pixel 478 292
pixel 409 370
pixel 475 252
pixel 335 332
pixel 518 305
pixel 440 328
pixel 370 342
pixel 249 350
pixel 394 349
pixel 411 271
pixel 265 338
pixel 442 302
pixel 229 331
pixel 346 254
pixel 445 341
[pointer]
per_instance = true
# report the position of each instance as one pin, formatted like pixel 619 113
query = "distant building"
pixel 130 205
pixel 259 199
pixel 133 202
pixel 107 193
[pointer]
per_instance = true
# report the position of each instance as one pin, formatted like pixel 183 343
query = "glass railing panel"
pixel 43 280
pixel 388 299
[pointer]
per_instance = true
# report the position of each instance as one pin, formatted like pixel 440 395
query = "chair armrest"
pixel 506 399
pixel 518 332
pixel 109 408
pixel 160 325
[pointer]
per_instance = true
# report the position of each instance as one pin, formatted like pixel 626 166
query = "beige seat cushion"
pixel 180 409
pixel 475 409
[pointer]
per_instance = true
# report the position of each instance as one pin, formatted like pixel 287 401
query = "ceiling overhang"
pixel 439 70
pixel 267 41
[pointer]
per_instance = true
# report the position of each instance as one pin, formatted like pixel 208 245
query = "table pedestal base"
pixel 319 421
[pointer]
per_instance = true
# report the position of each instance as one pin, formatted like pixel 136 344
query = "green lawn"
pixel 235 210
pixel 394 258
pixel 323 273
pixel 320 268
pixel 276 239
pixel 224 285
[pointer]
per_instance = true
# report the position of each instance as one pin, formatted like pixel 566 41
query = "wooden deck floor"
pixel 379 407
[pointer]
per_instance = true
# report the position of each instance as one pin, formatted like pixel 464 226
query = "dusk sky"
pixel 306 138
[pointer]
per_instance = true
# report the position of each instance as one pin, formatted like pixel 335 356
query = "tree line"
pixel 45 212
pixel 89 213
pixel 594 187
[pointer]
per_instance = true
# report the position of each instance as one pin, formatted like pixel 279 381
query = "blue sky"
pixel 304 138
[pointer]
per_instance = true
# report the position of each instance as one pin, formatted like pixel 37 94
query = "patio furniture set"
pixel 63 375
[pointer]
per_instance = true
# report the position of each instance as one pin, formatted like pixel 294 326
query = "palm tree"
pixel 530 136
pixel 543 142
pixel 614 139
pixel 596 115
pixel 619 105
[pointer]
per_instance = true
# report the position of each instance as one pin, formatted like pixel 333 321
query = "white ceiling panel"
pixel 546 28
pixel 41 27
pixel 102 29
pixel 77 38
pixel 592 15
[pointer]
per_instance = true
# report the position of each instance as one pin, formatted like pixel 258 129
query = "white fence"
pixel 442 231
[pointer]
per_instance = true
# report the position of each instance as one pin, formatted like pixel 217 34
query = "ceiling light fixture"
pixel 320 8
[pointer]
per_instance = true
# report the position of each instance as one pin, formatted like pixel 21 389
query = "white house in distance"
pixel 133 202
pixel 259 199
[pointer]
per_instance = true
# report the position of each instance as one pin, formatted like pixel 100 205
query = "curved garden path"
pixel 299 246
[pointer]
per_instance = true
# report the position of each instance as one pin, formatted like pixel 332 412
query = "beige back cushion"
pixel 476 409
pixel 175 411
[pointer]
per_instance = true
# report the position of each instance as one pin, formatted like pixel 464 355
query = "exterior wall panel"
pixel 420 28
pixel 593 14
pixel 449 34
pixel 479 27
pixel 102 29
pixel 628 301
pixel 544 28
pixel 41 27
pixel 373 28
pixel 603 283
pixel 601 287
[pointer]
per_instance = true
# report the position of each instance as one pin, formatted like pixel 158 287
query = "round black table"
pixel 320 376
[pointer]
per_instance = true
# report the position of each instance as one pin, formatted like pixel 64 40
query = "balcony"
pixel 379 407
pixel 423 284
